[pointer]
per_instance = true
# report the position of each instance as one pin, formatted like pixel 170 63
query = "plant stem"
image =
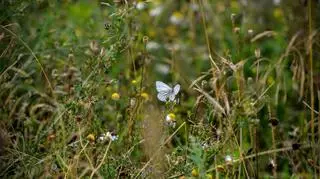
pixel 311 76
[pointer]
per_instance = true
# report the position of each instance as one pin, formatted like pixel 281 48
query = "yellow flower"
pixel 195 172
pixel 134 82
pixel 145 96
pixel 176 18
pixel 170 117
pixel 115 96
pixel 91 137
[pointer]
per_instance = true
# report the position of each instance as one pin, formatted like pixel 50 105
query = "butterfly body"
pixel 165 92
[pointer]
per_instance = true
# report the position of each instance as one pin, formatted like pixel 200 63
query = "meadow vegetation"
pixel 78 93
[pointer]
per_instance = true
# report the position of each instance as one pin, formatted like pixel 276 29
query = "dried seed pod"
pixel 296 146
pixel 274 122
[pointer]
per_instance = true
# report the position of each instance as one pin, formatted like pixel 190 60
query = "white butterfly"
pixel 165 92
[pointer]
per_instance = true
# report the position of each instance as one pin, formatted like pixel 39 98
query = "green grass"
pixel 76 74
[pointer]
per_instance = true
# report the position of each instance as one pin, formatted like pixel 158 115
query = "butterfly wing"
pixel 174 92
pixel 162 87
pixel 162 97
pixel 176 89
pixel 171 97
pixel 164 91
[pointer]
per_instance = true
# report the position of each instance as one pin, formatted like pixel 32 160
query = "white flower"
pixel 152 45
pixel 171 120
pixel 228 159
pixel 140 5
pixel 176 18
pixel 102 137
pixel 170 117
pixel 112 136
pixel 156 11
pixel 162 68
pixel 109 135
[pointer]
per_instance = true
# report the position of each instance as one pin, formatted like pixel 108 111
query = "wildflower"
pixel 170 117
pixel 112 136
pixel 102 137
pixel 171 120
pixel 145 96
pixel 152 46
pixel 140 5
pixel 176 18
pixel 195 172
pixel 91 137
pixel 156 11
pixel 109 135
pixel 228 159
pixel 162 68
pixel 115 96
pixel 134 82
